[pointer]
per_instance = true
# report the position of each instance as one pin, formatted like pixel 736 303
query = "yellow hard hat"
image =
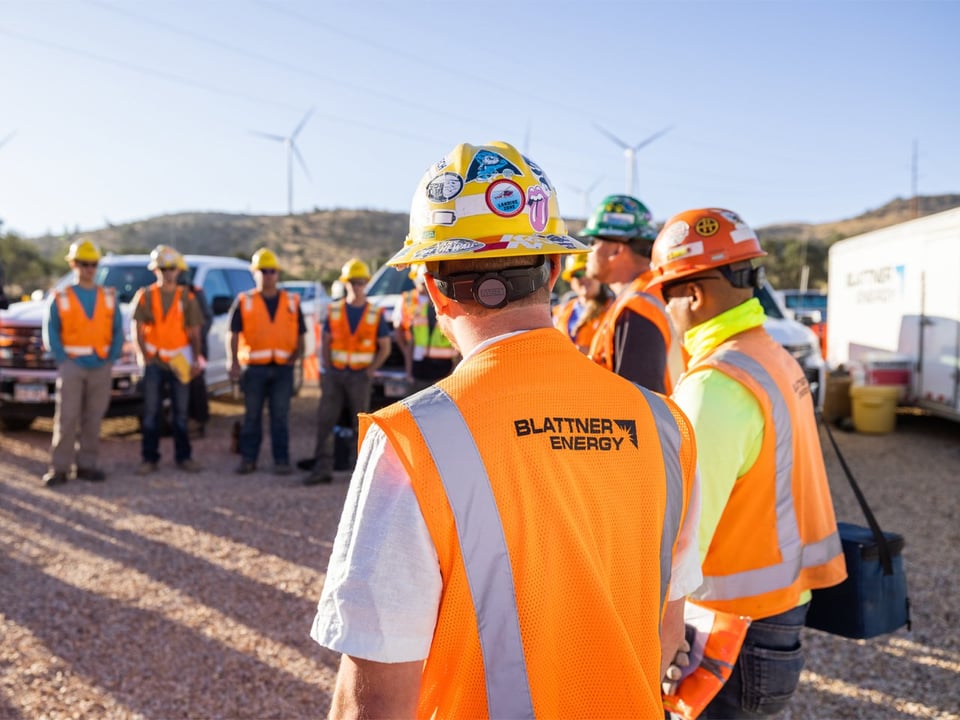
pixel 484 201
pixel 572 264
pixel 182 263
pixel 417 271
pixel 264 259
pixel 354 269
pixel 84 251
pixel 164 256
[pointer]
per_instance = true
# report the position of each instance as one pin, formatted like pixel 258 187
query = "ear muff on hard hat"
pixel 573 264
pixel 620 218
pixel 354 269
pixel 164 256
pixel 697 240
pixel 83 251
pixel 484 201
pixel 264 259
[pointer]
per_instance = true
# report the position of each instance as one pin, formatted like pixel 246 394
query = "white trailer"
pixel 895 293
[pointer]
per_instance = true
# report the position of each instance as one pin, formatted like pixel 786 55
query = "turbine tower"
pixel 585 196
pixel 289 141
pixel 630 152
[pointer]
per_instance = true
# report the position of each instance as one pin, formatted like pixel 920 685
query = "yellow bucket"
pixel 874 407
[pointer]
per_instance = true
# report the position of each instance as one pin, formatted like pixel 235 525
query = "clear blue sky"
pixel 125 110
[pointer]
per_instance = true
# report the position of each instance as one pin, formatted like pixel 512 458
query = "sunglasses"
pixel 82 264
pixel 268 271
pixel 169 269
pixel 358 283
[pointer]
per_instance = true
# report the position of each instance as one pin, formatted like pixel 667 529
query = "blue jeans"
pixel 156 379
pixel 273 384
pixel 767 671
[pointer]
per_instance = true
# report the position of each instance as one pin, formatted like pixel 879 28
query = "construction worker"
pixel 581 315
pixel 767 530
pixel 166 334
pixel 266 342
pixel 427 353
pixel 83 329
pixel 198 405
pixel 505 549
pixel 355 343
pixel 634 339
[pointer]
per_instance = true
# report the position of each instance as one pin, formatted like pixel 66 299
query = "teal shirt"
pixel 52 330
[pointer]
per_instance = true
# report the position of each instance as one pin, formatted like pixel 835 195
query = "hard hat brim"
pixel 479 248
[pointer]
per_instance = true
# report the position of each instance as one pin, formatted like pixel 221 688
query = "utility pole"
pixel 915 202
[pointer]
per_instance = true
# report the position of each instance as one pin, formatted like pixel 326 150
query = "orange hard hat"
pixel 697 240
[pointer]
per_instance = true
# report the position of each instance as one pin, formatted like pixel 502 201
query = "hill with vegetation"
pixel 314 245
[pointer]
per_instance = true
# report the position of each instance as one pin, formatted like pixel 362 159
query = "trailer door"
pixel 940 344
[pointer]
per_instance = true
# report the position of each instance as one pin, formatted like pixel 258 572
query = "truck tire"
pixel 14 424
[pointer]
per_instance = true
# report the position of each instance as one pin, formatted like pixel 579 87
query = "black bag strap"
pixel 883 548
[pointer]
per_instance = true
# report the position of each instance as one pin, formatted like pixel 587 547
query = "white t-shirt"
pixel 382 591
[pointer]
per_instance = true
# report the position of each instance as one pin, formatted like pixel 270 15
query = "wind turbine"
pixel 630 152
pixel 585 195
pixel 290 143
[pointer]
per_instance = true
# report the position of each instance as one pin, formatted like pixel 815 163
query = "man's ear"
pixel 554 270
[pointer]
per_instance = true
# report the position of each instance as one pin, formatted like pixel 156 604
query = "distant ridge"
pixel 316 244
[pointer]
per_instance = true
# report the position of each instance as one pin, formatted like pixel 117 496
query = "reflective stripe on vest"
pixel 791 548
pixel 483 547
pixel 670 442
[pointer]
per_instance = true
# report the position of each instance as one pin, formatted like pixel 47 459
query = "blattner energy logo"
pixel 567 433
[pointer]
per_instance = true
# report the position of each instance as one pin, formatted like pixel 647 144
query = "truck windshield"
pixel 126 279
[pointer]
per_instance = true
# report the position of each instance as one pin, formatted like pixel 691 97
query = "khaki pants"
pixel 83 396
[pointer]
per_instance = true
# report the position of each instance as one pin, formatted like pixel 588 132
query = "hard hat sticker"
pixel 539 174
pixel 486 165
pixel 443 217
pixel 505 198
pixel 618 219
pixel 707 226
pixel 538 201
pixel 444 187
pixel 454 246
pixel 676 233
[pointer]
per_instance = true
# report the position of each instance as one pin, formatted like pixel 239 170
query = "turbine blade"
pixel 613 137
pixel 299 157
pixel 594 186
pixel 653 137
pixel 268 136
pixel 8 138
pixel 303 122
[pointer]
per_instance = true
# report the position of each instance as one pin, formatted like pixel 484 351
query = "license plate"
pixel 30 393
pixel 395 389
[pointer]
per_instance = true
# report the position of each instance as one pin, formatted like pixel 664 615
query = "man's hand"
pixel 234 371
pixel 681 660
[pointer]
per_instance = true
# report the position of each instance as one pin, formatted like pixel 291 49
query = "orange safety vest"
pixel 263 339
pixel 554 518
pixel 586 332
pixel 777 536
pixel 408 309
pixel 634 298
pixel 82 335
pixel 353 350
pixel 166 335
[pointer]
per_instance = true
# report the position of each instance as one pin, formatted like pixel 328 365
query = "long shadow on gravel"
pixel 283 616
pixel 132 654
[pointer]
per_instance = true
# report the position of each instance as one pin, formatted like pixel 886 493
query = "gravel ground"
pixel 178 595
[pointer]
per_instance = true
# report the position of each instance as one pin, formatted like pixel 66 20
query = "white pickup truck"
pixel 28 373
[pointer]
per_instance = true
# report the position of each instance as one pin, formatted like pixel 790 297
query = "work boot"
pixel 146 467
pixel 318 478
pixel 53 478
pixel 246 467
pixel 91 474
pixel 283 469
pixel 307 463
pixel 189 465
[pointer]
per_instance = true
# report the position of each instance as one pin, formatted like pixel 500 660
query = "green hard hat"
pixel 620 218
